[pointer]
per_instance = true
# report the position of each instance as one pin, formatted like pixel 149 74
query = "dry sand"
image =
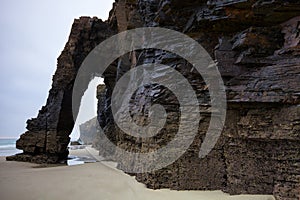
pixel 25 181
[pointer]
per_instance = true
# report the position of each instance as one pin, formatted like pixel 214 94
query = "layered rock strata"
pixel 47 137
pixel 256 47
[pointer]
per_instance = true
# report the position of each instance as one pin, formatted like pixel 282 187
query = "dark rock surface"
pixel 47 137
pixel 256 45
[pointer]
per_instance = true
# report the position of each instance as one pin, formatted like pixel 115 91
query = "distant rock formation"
pixel 256 45
pixel 88 131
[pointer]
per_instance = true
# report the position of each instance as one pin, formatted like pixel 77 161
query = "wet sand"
pixel 99 180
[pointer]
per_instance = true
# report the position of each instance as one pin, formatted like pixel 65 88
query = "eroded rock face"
pixel 258 152
pixel 47 137
pixel 88 131
pixel 256 47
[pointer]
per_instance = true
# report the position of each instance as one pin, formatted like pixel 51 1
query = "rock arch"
pixel 47 137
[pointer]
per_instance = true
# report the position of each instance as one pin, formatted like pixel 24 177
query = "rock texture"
pixel 47 137
pixel 256 45
pixel 89 131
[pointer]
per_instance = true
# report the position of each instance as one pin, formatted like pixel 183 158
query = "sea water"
pixel 8 147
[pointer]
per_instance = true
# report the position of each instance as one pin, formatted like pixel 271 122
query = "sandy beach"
pixel 99 180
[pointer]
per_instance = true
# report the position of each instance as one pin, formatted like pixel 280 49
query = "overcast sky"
pixel 32 36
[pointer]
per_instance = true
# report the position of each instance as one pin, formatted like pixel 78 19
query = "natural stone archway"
pixel 47 137
pixel 256 45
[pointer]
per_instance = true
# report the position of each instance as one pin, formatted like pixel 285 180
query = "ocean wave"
pixel 8 147
pixel 9 152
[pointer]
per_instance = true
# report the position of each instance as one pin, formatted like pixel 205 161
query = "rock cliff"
pixel 88 131
pixel 256 45
pixel 47 137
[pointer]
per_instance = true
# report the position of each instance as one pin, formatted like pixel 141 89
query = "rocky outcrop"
pixel 89 131
pixel 255 44
pixel 47 137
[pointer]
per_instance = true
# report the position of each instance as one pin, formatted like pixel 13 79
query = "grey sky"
pixel 32 35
